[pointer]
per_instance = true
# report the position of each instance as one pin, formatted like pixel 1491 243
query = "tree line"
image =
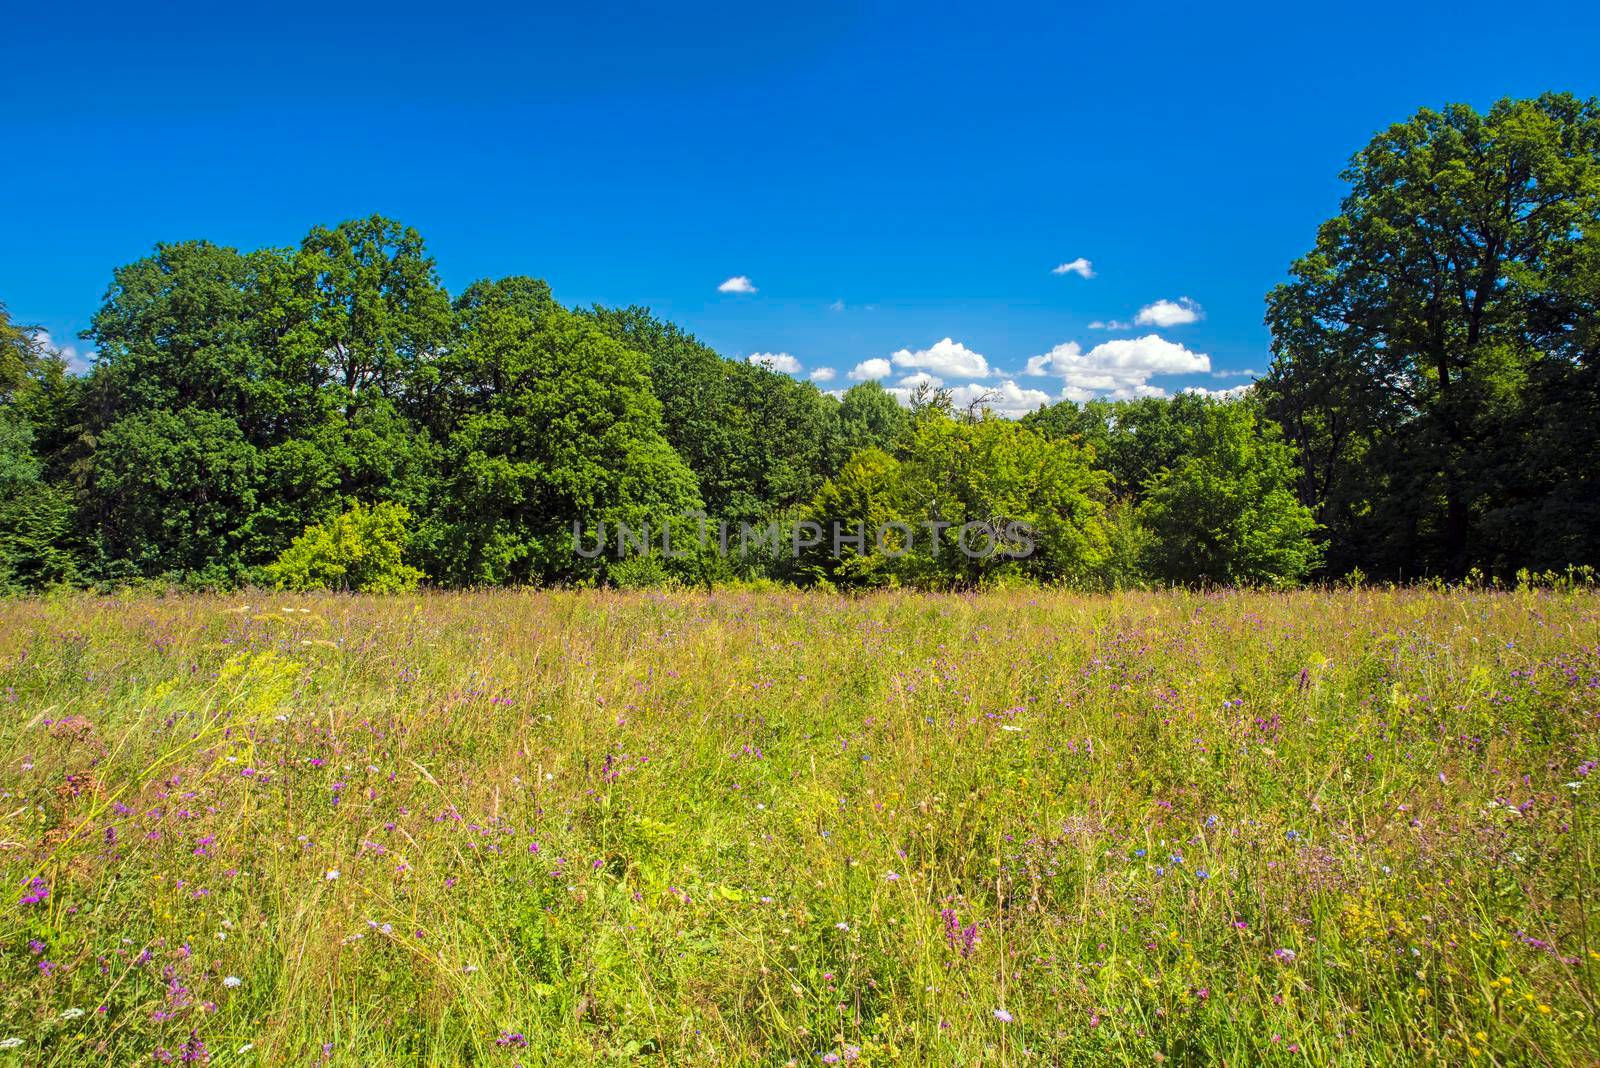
pixel 329 415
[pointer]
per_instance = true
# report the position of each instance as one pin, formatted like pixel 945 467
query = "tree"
pixel 175 494
pixel 1226 511
pixel 1443 319
pixel 555 424
pixel 857 507
pixel 869 417
pixel 1133 440
pixel 19 356
pixel 983 498
pixel 362 550
pixel 700 416
pixel 757 441
pixel 35 517
pixel 183 328
pixel 320 359
pixel 995 472
pixel 364 311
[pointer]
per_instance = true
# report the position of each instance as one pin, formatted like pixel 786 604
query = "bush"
pixel 361 550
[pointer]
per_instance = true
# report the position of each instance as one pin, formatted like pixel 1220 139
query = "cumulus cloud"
pixel 1246 373
pixel 1232 393
pixel 1109 324
pixel 78 361
pixel 737 284
pixel 946 357
pixel 1121 369
pixel 870 369
pixel 1046 364
pixel 1080 267
pixel 1007 398
pixel 1169 313
pixel 777 361
pixel 822 374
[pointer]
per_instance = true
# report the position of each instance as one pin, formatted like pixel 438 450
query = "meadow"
pixel 1027 827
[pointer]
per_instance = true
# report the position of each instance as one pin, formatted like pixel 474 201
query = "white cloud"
pixel 837 305
pixel 1109 324
pixel 823 374
pixel 1046 364
pixel 77 362
pixel 737 284
pixel 1169 313
pixel 1232 393
pixel 777 361
pixel 944 357
pixel 870 369
pixel 1246 373
pixel 1080 267
pixel 1121 368
pixel 1007 398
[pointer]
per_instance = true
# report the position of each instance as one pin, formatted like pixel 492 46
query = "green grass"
pixel 734 829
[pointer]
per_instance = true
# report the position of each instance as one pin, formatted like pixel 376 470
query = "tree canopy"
pixel 1436 351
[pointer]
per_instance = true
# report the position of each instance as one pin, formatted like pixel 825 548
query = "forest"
pixel 327 415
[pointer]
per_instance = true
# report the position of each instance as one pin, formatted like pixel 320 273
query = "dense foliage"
pixel 1438 351
pixel 250 417
pixel 1433 407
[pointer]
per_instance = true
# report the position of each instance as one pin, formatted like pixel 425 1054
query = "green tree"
pixel 855 510
pixel 1132 440
pixel 869 417
pixel 363 311
pixel 555 423
pixel 321 359
pixel 757 441
pixel 1020 503
pixel 184 328
pixel 35 517
pixel 175 493
pixel 362 550
pixel 1444 319
pixel 996 472
pixel 19 356
pixel 1226 511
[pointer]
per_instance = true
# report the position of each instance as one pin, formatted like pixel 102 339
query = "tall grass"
pixel 1019 828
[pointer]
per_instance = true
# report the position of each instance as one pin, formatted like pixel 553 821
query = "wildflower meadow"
pixel 1337 826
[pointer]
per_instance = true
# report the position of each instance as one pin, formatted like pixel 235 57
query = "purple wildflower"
pixel 961 939
pixel 194 1051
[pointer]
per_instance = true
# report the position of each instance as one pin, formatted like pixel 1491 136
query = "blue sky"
pixel 897 184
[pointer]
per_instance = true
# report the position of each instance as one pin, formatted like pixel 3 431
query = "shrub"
pixel 362 550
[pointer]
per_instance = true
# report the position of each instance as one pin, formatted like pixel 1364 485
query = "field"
pixel 768 828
